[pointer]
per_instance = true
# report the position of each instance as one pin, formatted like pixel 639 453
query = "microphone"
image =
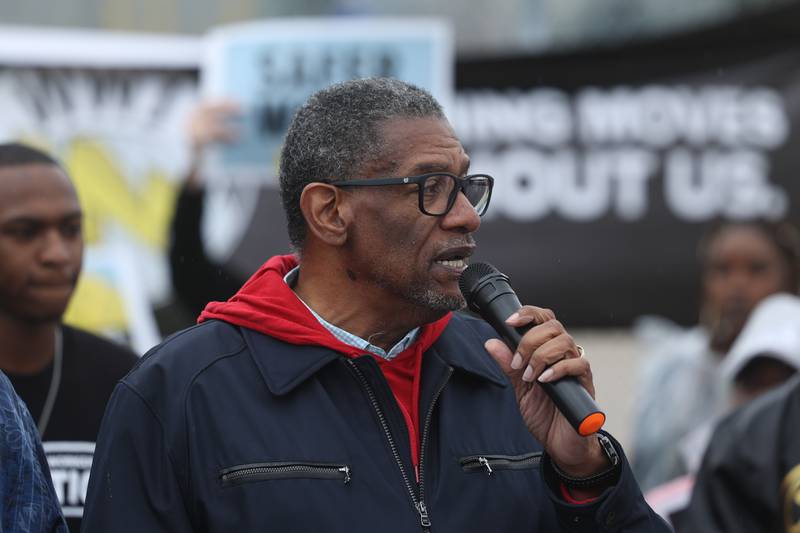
pixel 488 292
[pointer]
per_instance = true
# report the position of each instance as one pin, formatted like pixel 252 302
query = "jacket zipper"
pixel 418 503
pixel 423 511
pixel 490 463
pixel 282 470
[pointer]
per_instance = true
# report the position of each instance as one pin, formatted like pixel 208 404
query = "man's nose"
pixel 56 250
pixel 462 215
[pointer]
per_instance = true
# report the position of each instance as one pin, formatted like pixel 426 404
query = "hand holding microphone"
pixel 543 348
pixel 488 292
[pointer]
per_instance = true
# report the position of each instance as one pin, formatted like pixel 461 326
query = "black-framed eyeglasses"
pixel 437 190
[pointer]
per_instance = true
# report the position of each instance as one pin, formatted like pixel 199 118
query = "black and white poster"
pixel 610 164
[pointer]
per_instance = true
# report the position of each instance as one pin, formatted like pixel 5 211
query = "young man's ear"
pixel 326 212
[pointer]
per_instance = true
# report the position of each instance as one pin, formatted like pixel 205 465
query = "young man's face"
pixel 40 242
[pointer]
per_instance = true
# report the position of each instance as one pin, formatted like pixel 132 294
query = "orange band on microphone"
pixel 592 424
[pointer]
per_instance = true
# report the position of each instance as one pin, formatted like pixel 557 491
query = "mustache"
pixel 458 242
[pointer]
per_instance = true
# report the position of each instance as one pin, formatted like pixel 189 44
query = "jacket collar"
pixel 285 366
pixel 461 346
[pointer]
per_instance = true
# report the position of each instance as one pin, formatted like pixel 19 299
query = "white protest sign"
pixel 270 68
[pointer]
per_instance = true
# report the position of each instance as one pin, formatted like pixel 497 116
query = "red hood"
pixel 268 305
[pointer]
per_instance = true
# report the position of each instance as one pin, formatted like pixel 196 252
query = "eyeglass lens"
pixel 477 191
pixel 438 193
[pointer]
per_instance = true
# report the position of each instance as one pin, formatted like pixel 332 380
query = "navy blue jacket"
pixel 223 429
pixel 28 501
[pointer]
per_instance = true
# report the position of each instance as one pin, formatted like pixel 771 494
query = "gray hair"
pixel 335 135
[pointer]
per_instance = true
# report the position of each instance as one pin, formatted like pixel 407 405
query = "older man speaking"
pixel 337 391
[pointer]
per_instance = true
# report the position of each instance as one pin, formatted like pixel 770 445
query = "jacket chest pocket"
pixel 489 464
pixel 253 472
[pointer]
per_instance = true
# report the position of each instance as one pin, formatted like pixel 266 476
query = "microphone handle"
pixel 571 399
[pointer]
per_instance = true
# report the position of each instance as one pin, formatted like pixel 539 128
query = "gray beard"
pixel 424 297
pixel 435 301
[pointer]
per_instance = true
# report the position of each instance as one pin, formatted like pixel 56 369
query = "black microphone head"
pixel 472 277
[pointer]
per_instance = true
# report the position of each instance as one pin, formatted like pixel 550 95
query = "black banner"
pixel 609 164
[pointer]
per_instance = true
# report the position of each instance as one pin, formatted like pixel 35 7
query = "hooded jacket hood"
pixel 267 304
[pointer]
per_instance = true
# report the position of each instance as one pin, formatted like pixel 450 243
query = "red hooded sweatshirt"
pixel 268 305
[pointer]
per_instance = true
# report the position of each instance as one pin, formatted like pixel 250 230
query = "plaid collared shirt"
pixel 354 340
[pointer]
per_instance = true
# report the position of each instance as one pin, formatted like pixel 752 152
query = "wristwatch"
pixel 606 477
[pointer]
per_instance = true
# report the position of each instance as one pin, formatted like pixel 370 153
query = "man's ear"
pixel 327 214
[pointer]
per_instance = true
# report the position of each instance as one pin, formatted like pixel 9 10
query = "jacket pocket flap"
pixel 488 463
pixel 252 472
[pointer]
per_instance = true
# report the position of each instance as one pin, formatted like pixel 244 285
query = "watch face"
pixel 790 494
pixel 604 477
pixel 608 449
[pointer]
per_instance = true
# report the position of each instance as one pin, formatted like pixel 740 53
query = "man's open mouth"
pixel 453 263
pixel 456 258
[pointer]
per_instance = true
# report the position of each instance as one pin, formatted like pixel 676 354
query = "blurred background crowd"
pixel 645 156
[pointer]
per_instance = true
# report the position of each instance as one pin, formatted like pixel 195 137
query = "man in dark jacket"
pixel 339 392
pixel 749 481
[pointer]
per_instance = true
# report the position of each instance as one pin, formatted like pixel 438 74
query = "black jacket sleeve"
pixel 134 485
pixel 620 508
pixel 738 488
pixel 196 278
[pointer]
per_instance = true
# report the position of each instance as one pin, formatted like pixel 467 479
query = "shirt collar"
pixel 459 346
pixel 350 339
